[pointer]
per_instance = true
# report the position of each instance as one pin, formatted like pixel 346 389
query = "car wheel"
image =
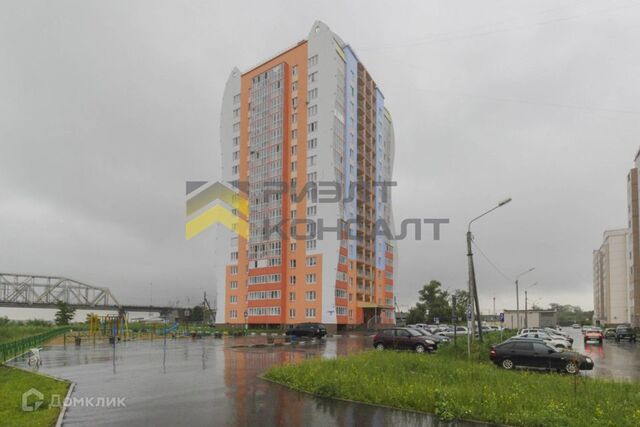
pixel 420 348
pixel 380 346
pixel 571 367
pixel 508 364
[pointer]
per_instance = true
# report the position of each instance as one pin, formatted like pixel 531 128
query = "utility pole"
pixel 473 289
pixel 518 296
pixel 494 306
pixel 526 312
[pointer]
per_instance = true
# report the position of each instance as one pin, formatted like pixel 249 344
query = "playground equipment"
pixel 115 327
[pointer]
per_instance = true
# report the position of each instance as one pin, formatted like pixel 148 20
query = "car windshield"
pixel 414 333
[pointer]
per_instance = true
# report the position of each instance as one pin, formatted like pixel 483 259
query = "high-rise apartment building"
pixel 306 123
pixel 610 278
pixel 633 243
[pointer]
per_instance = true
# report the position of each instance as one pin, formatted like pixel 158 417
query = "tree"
pixel 197 314
pixel 64 314
pixel 462 301
pixel 435 301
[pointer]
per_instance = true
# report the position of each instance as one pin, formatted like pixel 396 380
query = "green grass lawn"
pixel 12 331
pixel 453 388
pixel 14 382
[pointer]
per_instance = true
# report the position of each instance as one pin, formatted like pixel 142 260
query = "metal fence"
pixel 15 348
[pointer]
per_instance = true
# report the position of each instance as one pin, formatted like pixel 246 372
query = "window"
pixel 236 141
pixel 313 77
pixel 311 244
pixel 234 270
pixel 234 256
pixel 294 150
pixel 233 299
pixel 294 134
pixel 294 70
pixel 313 60
pixel 341 293
pixel 236 155
pixel 310 312
pixel 312 176
pixel 236 99
pixel 236 113
pixel 294 86
pixel 294 118
pixel 294 102
pixel 311 160
pixel 233 284
pixel 292 312
pixel 312 127
pixel 293 166
pixel 292 296
pixel 310 295
pixel 312 94
pixel 292 247
pixel 311 261
pixel 310 278
pixel 311 211
pixel 236 127
pixel 234 169
pixel 312 110
pixel 292 280
pixel 523 346
pixel 261 295
pixel 341 311
pixel 292 263
pixel 263 311
pixel 233 314
pixel 312 143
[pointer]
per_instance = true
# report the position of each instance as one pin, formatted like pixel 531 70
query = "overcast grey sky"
pixel 108 107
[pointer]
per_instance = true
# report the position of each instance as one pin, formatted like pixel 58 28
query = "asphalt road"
pixel 214 382
pixel 611 359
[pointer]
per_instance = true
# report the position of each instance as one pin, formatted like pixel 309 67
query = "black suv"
pixel 625 333
pixel 311 330
pixel 536 354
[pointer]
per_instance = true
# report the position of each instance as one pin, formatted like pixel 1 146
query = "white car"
pixel 556 342
pixel 460 330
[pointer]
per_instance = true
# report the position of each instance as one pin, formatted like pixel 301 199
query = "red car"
pixel 593 335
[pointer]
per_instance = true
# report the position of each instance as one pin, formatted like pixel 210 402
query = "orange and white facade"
pixel 309 116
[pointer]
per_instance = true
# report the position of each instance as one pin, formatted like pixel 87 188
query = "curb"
pixel 63 411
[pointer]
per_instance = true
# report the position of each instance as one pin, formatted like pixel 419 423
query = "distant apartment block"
pixel 610 278
pixel 310 114
pixel 633 244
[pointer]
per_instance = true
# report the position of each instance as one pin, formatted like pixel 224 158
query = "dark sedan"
pixel 537 354
pixel 403 339
pixel 311 330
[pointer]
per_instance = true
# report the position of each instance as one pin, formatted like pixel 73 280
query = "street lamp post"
pixel 518 296
pixel 526 309
pixel 473 289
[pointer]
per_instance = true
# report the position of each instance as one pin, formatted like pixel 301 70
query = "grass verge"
pixel 453 388
pixel 15 382
pixel 12 330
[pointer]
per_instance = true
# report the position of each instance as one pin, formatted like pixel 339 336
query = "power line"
pixel 491 262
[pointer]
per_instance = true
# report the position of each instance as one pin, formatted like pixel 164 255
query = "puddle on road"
pixel 206 382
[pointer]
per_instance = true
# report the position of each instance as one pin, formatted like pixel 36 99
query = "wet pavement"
pixel 611 359
pixel 214 382
pixel 207 382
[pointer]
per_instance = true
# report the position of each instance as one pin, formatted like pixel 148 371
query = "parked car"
pixel 403 339
pixel 435 338
pixel 533 353
pixel 460 330
pixel 610 333
pixel 311 330
pixel 575 326
pixel 559 334
pixel 625 333
pixel 553 341
pixel 593 335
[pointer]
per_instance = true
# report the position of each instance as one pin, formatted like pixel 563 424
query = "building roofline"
pixel 271 58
